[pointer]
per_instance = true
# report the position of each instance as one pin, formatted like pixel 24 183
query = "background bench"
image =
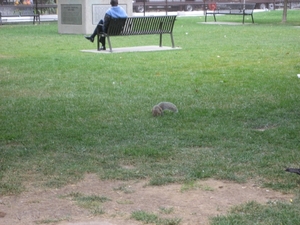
pixel 19 11
pixel 230 9
pixel 140 26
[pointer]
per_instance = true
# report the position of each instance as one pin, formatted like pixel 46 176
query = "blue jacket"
pixel 116 12
pixel 113 12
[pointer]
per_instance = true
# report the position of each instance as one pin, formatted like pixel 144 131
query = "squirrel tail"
pixel 158 109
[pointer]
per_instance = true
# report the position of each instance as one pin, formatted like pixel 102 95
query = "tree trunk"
pixel 284 15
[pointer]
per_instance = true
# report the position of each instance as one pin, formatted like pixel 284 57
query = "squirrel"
pixel 158 109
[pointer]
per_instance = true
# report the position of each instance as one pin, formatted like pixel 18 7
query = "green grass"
pixel 151 218
pixel 51 221
pixel 65 113
pixel 90 202
pixel 254 213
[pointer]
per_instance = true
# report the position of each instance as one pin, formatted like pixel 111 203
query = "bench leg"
pixel 172 39
pixel 98 39
pixel 243 18
pixel 36 18
pixel 160 40
pixel 110 48
pixel 215 17
pixel 252 18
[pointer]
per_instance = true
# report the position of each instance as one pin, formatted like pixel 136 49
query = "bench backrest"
pixel 17 10
pixel 27 12
pixel 9 12
pixel 141 25
pixel 235 6
pixel 116 26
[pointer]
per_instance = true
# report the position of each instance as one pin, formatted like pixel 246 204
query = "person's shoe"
pixel 91 39
pixel 102 48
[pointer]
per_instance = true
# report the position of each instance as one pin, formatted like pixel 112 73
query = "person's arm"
pixel 107 19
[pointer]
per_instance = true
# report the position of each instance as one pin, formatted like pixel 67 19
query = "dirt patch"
pixel 193 204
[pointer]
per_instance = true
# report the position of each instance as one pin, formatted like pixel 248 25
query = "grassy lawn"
pixel 65 113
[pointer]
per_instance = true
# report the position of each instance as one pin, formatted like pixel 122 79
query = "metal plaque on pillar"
pixel 71 14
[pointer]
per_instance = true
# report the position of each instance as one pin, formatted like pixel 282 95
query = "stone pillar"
pixel 81 16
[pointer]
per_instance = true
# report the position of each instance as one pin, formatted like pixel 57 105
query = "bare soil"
pixel 193 205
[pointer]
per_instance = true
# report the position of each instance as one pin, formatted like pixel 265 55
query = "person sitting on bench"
pixel 115 11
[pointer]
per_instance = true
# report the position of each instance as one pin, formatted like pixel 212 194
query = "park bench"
pixel 19 11
pixel 139 26
pixel 244 9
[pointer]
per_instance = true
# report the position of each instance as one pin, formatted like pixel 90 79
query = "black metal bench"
pixel 139 26
pixel 19 11
pixel 244 9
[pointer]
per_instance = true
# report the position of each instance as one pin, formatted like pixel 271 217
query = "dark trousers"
pixel 100 28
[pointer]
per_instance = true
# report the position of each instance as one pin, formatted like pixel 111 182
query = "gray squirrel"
pixel 158 109
pixel 293 170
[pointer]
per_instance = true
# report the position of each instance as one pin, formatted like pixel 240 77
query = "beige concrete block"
pixel 82 16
